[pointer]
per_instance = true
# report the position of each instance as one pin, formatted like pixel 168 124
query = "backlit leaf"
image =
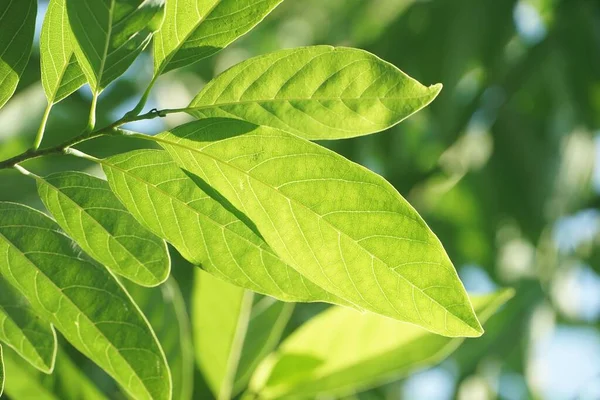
pixel 82 300
pixel 91 214
pixel 340 225
pixel 318 92
pixel 17 25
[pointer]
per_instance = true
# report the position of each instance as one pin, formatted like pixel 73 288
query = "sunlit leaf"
pixel 196 29
pixel 17 25
pixel 341 351
pixel 67 381
pixel 231 334
pixel 61 75
pixel 318 92
pixel 168 202
pixel 82 300
pixel 337 223
pixel 90 213
pixel 110 34
pixel 23 331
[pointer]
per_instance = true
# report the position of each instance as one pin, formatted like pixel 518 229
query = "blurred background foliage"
pixel 501 165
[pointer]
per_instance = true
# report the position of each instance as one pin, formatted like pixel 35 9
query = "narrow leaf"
pixel 82 300
pixel 318 92
pixel 233 332
pixel 17 25
pixel 87 210
pixel 23 331
pixel 340 225
pixel 110 34
pixel 61 75
pixel 1 371
pixel 342 351
pixel 165 309
pixel 170 204
pixel 196 29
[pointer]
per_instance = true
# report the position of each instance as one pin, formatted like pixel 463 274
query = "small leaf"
pixel 61 75
pixel 196 29
pixel 17 25
pixel 318 92
pixel 165 309
pixel 168 202
pixel 231 334
pixel 23 331
pixel 338 224
pixel 82 300
pixel 342 351
pixel 87 210
pixel 110 34
pixel 67 381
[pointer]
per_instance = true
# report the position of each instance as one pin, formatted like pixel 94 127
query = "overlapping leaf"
pixel 17 25
pixel 168 202
pixel 91 214
pixel 342 351
pixel 110 34
pixel 318 92
pixel 61 75
pixel 340 225
pixel 82 300
pixel 196 29
pixel 23 331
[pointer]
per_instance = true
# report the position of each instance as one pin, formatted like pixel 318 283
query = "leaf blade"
pixel 317 92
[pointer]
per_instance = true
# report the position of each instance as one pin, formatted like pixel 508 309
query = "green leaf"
pixel 340 225
pixel 87 210
pixel 196 29
pixel 1 371
pixel 23 331
pixel 231 334
pixel 341 351
pixel 67 382
pixel 318 92
pixel 82 300
pixel 110 34
pixel 61 75
pixel 168 202
pixel 165 309
pixel 17 25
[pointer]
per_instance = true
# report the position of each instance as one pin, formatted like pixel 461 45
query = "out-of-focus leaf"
pixel 17 25
pixel 165 309
pixel 23 331
pixel 168 202
pixel 67 382
pixel 337 223
pixel 196 29
pixel 82 300
pixel 110 34
pixel 341 351
pixel 1 371
pixel 318 92
pixel 61 75
pixel 91 214
pixel 231 335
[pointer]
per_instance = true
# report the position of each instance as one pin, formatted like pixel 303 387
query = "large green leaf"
pixel 67 382
pixel 110 34
pixel 17 25
pixel 165 309
pixel 168 202
pixel 231 334
pixel 23 331
pixel 61 75
pixel 87 210
pixel 337 223
pixel 82 300
pixel 341 351
pixel 318 92
pixel 196 29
